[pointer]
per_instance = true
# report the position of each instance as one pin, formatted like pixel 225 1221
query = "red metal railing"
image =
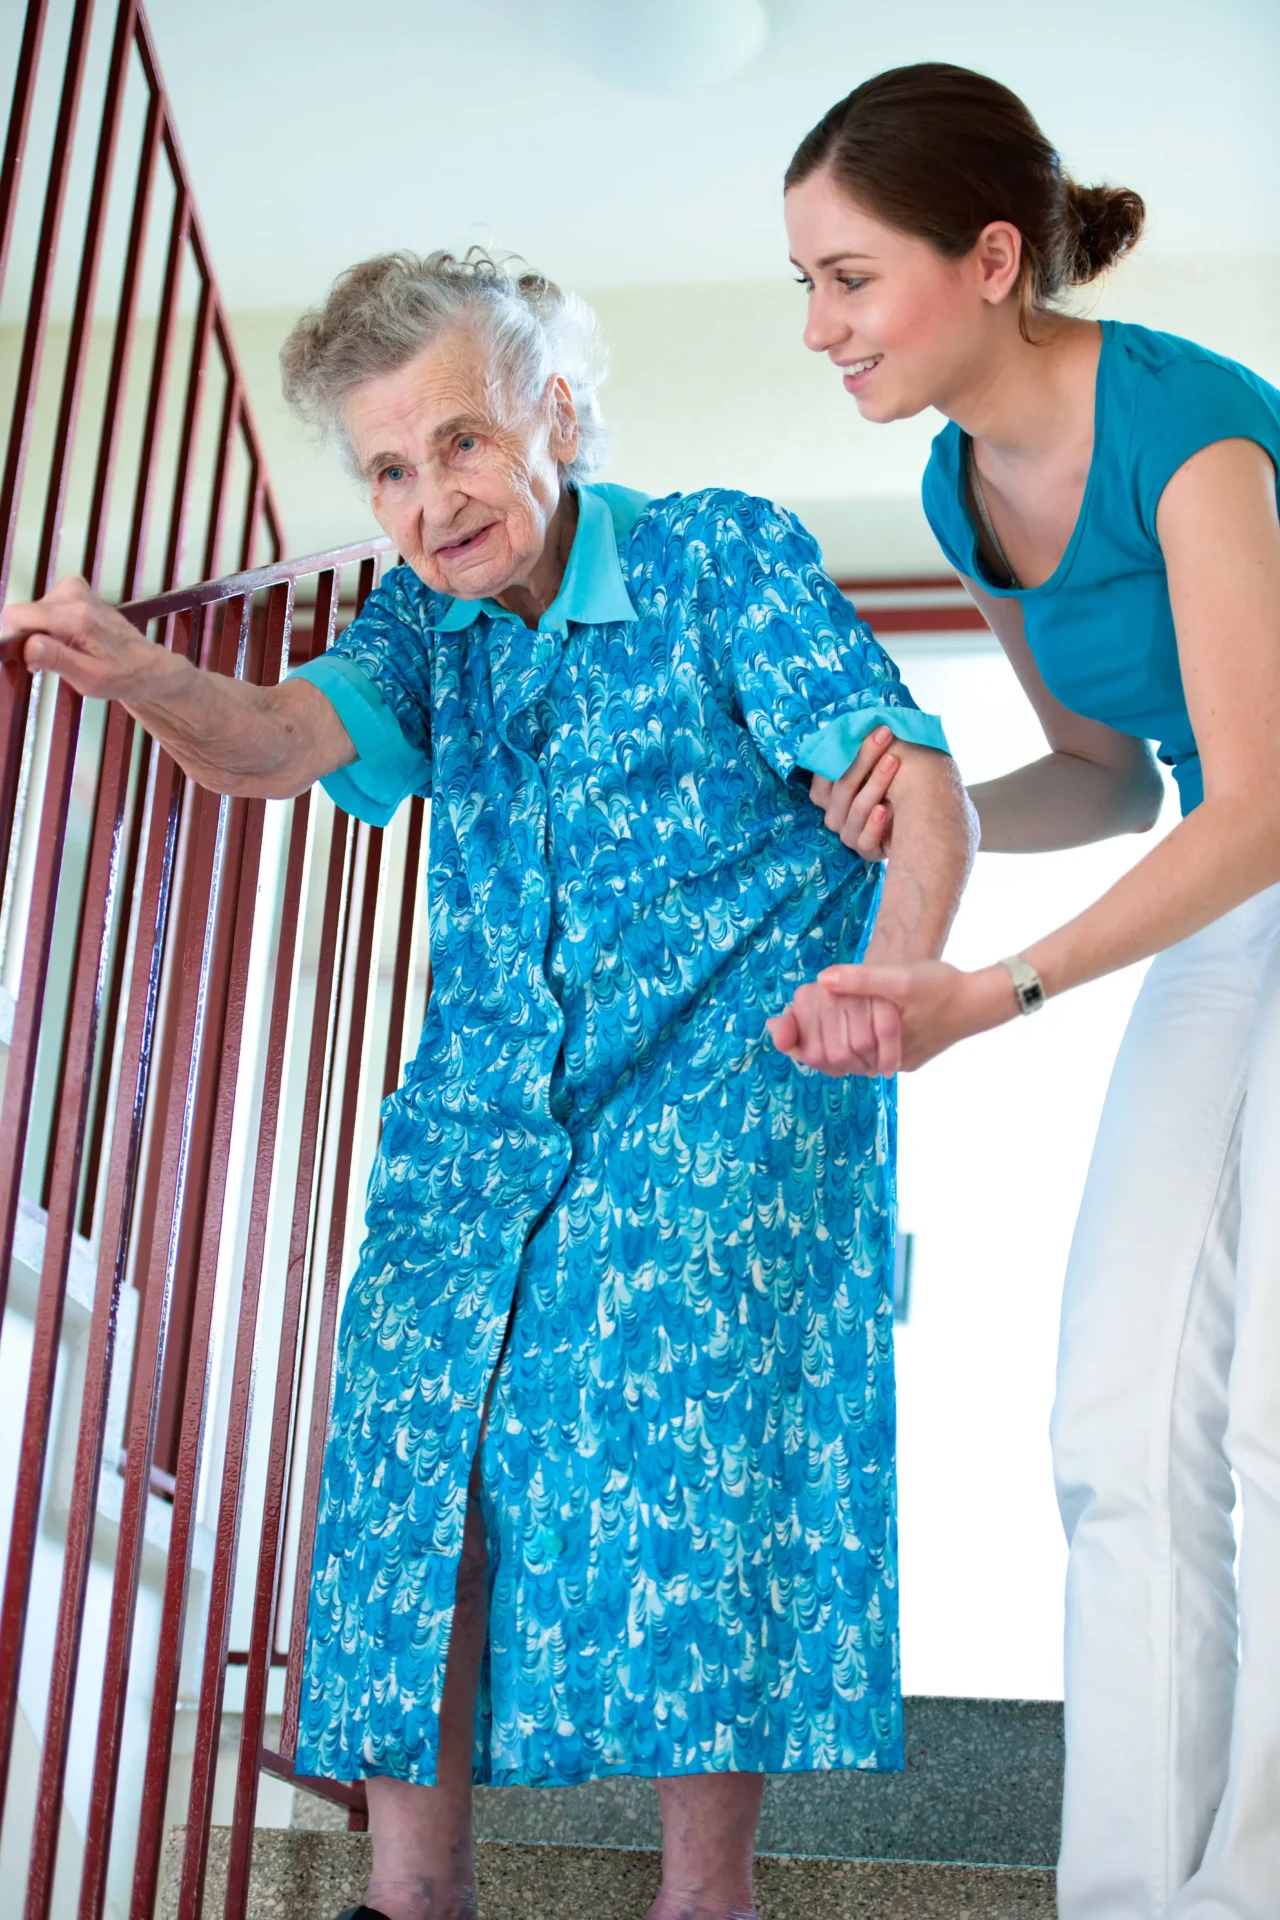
pixel 211 1124
pixel 169 957
pixel 203 464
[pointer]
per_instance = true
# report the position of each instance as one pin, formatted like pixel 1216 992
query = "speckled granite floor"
pixel 310 1876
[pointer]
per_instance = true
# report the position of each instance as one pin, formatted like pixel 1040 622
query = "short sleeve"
pixel 944 508
pixel 376 676
pixel 812 679
pixel 1190 403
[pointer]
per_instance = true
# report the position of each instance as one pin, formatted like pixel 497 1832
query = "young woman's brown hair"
pixel 941 152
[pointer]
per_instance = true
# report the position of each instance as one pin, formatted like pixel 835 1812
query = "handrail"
pixel 210 593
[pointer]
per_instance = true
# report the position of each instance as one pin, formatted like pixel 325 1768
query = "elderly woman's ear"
pixel 564 420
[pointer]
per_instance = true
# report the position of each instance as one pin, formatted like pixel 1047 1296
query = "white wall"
pixel 712 385
pixel 994 1143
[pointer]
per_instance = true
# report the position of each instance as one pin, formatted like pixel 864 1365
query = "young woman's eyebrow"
pixel 830 260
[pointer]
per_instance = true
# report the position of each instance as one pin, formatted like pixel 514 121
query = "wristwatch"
pixel 1027 983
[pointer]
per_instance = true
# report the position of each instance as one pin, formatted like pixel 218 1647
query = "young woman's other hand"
pixel 857 805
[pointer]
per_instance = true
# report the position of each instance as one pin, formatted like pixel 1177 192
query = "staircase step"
pixel 982 1784
pixel 311 1876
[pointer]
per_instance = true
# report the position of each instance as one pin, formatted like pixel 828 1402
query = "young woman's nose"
pixel 823 328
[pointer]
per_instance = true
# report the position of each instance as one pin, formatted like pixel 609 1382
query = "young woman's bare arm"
pixel 1093 783
pixel 262 742
pixel 1220 534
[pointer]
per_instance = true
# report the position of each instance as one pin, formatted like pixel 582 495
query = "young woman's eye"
pixel 803 280
pixel 851 283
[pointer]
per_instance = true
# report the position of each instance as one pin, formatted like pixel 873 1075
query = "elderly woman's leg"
pixel 423 1861
pixel 708 1846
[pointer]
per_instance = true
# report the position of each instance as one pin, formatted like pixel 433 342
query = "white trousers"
pixel 1168 1384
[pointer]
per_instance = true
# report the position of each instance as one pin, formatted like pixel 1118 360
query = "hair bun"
pixel 1109 222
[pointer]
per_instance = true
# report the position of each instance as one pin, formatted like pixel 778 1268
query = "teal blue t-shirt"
pixel 1101 628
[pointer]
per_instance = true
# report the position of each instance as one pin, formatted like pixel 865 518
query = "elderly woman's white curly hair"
pixel 383 311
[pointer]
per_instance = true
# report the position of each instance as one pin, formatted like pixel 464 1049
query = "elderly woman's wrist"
pixel 156 680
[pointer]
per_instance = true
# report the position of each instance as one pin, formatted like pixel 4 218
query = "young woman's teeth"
pixel 863 366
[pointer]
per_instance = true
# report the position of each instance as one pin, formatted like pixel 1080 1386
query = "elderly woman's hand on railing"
pixel 71 632
pixel 260 742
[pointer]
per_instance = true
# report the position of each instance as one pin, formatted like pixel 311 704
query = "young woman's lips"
pixel 857 375
pixel 455 549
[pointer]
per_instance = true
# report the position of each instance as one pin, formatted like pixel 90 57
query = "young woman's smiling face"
pixel 465 484
pixel 907 327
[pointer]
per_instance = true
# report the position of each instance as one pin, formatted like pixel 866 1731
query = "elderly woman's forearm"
pixel 262 743
pixel 935 838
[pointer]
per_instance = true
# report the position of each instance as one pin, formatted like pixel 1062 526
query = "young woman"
pixel 1108 494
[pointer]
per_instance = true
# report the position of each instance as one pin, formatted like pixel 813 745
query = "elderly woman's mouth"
pixel 465 543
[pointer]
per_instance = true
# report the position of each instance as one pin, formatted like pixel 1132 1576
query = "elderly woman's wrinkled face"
pixel 465 486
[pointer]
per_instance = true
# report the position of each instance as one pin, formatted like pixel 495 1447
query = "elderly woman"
pixel 610 1476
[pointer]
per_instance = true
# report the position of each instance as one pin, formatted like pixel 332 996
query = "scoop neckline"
pixel 1063 567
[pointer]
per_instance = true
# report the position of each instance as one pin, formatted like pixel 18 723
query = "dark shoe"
pixel 360 1913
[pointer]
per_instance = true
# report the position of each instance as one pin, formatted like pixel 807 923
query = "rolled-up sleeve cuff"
pixel 832 748
pixel 386 767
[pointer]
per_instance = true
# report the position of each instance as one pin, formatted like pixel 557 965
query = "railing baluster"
pixel 148 453
pixel 82 317
pixel 15 140
pixel 190 428
pixel 122 347
pixel 227 1539
pixel 252 513
pixel 14 1117
pixel 117 1237
pixel 15 686
pixel 322 1069
pixel 262 1635
pixel 109 1026
pixel 222 1050
pixel 85 1007
pixel 222 464
pixel 41 288
pixel 204 862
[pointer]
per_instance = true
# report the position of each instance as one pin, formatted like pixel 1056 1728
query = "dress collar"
pixel 593 591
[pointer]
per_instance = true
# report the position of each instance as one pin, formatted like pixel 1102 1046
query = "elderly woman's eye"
pixel 467 442
pixel 392 474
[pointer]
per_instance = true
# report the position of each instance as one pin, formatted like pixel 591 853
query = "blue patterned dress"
pixel 601 1180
